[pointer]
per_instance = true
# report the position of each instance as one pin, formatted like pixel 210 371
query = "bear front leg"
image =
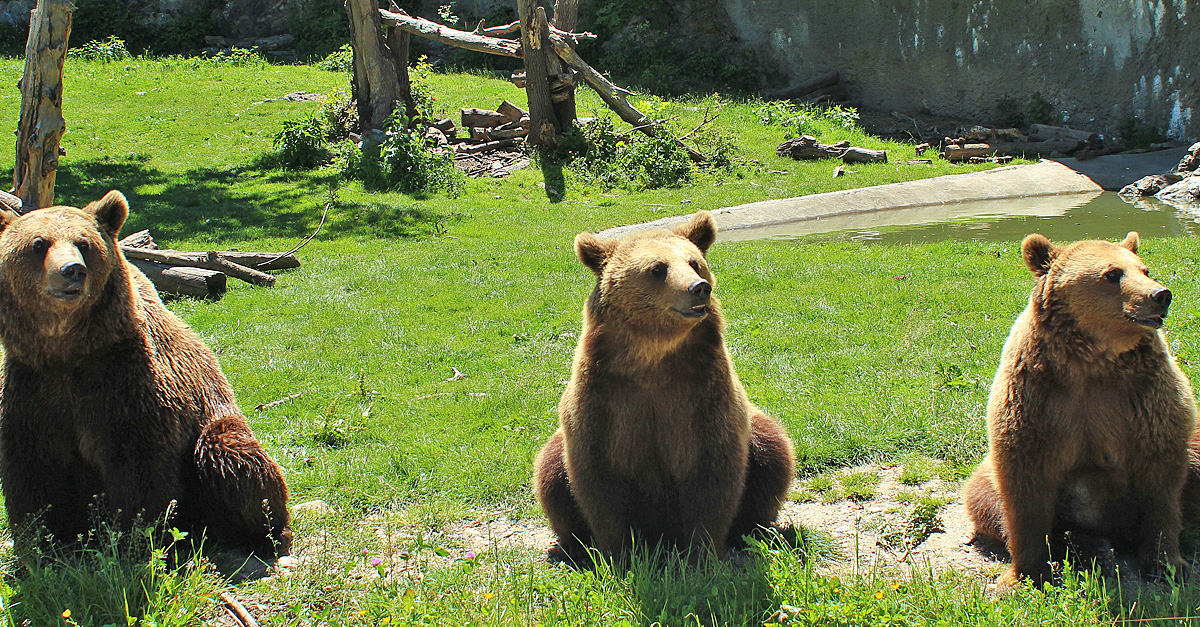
pixel 1030 498
pixel 708 504
pixel 1159 491
pixel 552 485
pixel 604 500
pixel 984 505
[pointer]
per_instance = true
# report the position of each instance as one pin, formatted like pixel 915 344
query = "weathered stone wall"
pixel 1097 61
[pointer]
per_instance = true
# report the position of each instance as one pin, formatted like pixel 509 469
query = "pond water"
pixel 1061 218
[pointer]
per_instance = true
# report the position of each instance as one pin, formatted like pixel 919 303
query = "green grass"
pixel 397 290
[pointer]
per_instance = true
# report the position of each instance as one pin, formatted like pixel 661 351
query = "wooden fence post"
pixel 535 47
pixel 376 83
pixel 41 124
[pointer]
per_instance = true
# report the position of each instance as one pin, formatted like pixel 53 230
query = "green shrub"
pixel 109 50
pixel 805 119
pixel 398 159
pixel 1137 133
pixel 630 160
pixel 303 143
pixel 238 57
pixel 340 60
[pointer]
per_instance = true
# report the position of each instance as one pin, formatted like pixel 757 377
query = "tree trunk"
pixel 535 46
pixel 396 40
pixel 41 124
pixel 566 17
pixel 376 83
pixel 445 34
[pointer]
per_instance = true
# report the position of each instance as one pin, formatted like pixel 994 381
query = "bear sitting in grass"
pixel 1089 417
pixel 657 438
pixel 111 402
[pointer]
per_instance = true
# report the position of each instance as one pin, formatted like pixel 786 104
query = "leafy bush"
pixel 340 60
pixel 108 50
pixel 1012 112
pixel 303 143
pixel 1137 133
pixel 630 160
pixel 805 119
pixel 398 159
pixel 238 57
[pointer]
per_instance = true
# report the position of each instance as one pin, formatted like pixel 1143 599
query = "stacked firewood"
pixel 491 141
pixel 202 275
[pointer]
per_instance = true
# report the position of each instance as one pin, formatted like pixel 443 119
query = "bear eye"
pixel 695 265
pixel 83 246
pixel 40 246
pixel 659 271
pixel 1114 275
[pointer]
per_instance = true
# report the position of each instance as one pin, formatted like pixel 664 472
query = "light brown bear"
pixel 108 398
pixel 1089 417
pixel 657 438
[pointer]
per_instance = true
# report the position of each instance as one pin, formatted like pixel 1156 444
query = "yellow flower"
pixel 362 612
pixel 66 613
pixel 488 595
pixel 879 595
pixel 895 586
pixel 386 621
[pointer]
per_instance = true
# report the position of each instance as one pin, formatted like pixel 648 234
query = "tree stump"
pixel 375 80
pixel 41 125
pixel 535 48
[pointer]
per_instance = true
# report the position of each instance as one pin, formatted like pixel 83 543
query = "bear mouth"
pixel 699 311
pixel 1152 322
pixel 70 293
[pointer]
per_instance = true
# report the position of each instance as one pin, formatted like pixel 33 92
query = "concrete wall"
pixel 1097 61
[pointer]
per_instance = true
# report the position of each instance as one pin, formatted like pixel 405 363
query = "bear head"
pixel 1105 287
pixel 652 284
pixel 58 260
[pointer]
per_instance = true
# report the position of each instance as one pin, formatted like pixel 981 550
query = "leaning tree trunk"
pixel 535 47
pixel 566 18
pixel 376 83
pixel 41 125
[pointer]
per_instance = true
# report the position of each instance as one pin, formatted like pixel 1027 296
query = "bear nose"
pixel 700 289
pixel 74 271
pixel 1161 296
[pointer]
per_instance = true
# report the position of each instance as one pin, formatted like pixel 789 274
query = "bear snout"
pixel 76 272
pixel 1162 297
pixel 702 290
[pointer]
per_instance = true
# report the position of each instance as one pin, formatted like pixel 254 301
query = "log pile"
pixel 980 143
pixel 202 275
pixel 806 147
pixel 488 142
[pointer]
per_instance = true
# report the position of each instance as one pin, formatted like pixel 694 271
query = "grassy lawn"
pixel 866 353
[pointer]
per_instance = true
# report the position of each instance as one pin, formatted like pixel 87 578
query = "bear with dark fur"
pixel 1089 417
pixel 657 438
pixel 110 401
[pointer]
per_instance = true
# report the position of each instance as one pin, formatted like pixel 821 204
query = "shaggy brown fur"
pixel 657 438
pixel 1089 417
pixel 109 398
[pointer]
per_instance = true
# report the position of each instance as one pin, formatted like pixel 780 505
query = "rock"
pixel 316 508
pixel 1149 185
pixel 1186 191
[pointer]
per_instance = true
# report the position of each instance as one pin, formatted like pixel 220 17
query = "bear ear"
pixel 7 217
pixel 701 230
pixel 1131 242
pixel 1038 253
pixel 110 212
pixel 593 251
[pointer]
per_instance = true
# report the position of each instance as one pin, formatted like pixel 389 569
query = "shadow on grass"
pixel 236 204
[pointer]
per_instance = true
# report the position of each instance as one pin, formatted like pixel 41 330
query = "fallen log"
pixel 489 134
pixel 807 147
pixel 209 260
pixel 140 239
pixel 445 34
pixel 485 118
pixel 963 152
pixel 182 280
pixel 1046 132
pixel 803 89
pixel 471 149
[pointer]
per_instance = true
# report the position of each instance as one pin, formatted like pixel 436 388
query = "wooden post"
pixel 535 46
pixel 396 40
pixel 41 125
pixel 566 18
pixel 375 79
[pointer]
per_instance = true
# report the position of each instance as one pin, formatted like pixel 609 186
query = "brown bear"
pixel 657 438
pixel 1089 417
pixel 109 401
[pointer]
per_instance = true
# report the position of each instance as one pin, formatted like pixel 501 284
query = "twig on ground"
pixel 277 403
pixel 306 240
pixel 238 611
